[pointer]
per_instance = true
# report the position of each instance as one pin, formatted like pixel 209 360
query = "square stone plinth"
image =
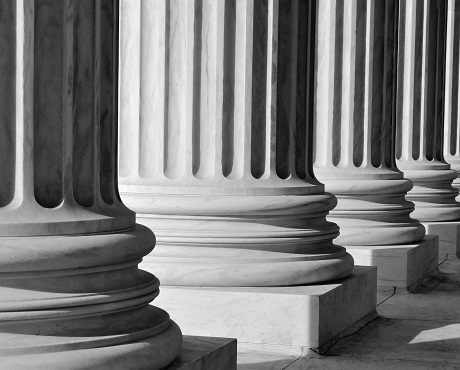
pixel 449 237
pixel 206 353
pixel 282 319
pixel 399 265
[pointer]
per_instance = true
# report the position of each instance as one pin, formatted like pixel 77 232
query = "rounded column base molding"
pixel 374 212
pixel 85 306
pixel 241 240
pixel 240 272
pixel 116 348
pixel 433 195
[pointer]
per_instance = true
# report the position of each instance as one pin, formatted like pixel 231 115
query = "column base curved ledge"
pixel 241 240
pixel 84 308
pixel 374 212
pixel 433 195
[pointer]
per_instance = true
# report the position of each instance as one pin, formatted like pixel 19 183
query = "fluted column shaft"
pixel 354 122
pixel 71 293
pixel 215 142
pixel 451 138
pixel 420 110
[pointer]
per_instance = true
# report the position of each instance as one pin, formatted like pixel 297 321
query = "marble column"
pixel 420 116
pixel 451 138
pixel 355 143
pixel 216 152
pixel 71 293
pixel 218 163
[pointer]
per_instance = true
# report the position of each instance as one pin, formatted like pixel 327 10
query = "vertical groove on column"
pixel 389 81
pixel 307 14
pixel 420 78
pixel 7 100
pixel 405 72
pixel 303 107
pixel 259 88
pixel 360 95
pixel 85 95
pixel 197 16
pixel 272 89
pixel 231 158
pixel 456 77
pixel 153 100
pixel 336 84
pixel 286 87
pixel 378 42
pixel 439 60
pixel 48 89
pixel 108 101
pixel 129 91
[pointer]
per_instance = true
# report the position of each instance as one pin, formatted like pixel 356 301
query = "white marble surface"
pixel 449 237
pixel 420 106
pixel 206 353
pixel 288 318
pixel 71 293
pixel 354 122
pixel 451 137
pixel 215 143
pixel 399 265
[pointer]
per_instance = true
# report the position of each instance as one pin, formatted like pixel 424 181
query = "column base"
pixel 206 353
pixel 449 237
pixel 399 265
pixel 291 319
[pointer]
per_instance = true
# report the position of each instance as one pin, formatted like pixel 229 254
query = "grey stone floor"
pixel 419 330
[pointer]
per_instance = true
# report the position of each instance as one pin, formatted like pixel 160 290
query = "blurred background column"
pixel 452 98
pixel 354 140
pixel 420 119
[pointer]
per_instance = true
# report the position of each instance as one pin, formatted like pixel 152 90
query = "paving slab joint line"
pixel 356 327
pixel 386 299
pixel 447 257
pixel 414 286
pixel 292 363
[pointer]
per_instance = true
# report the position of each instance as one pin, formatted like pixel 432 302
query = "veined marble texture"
pixel 355 123
pixel 451 138
pixel 216 144
pixel 71 293
pixel 420 110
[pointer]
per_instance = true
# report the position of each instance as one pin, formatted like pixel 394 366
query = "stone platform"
pixel 449 237
pixel 284 319
pixel 399 265
pixel 205 353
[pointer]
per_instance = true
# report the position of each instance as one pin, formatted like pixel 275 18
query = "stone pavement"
pixel 418 330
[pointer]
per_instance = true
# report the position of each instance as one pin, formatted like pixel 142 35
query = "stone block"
pixel 449 237
pixel 287 319
pixel 206 353
pixel 399 265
